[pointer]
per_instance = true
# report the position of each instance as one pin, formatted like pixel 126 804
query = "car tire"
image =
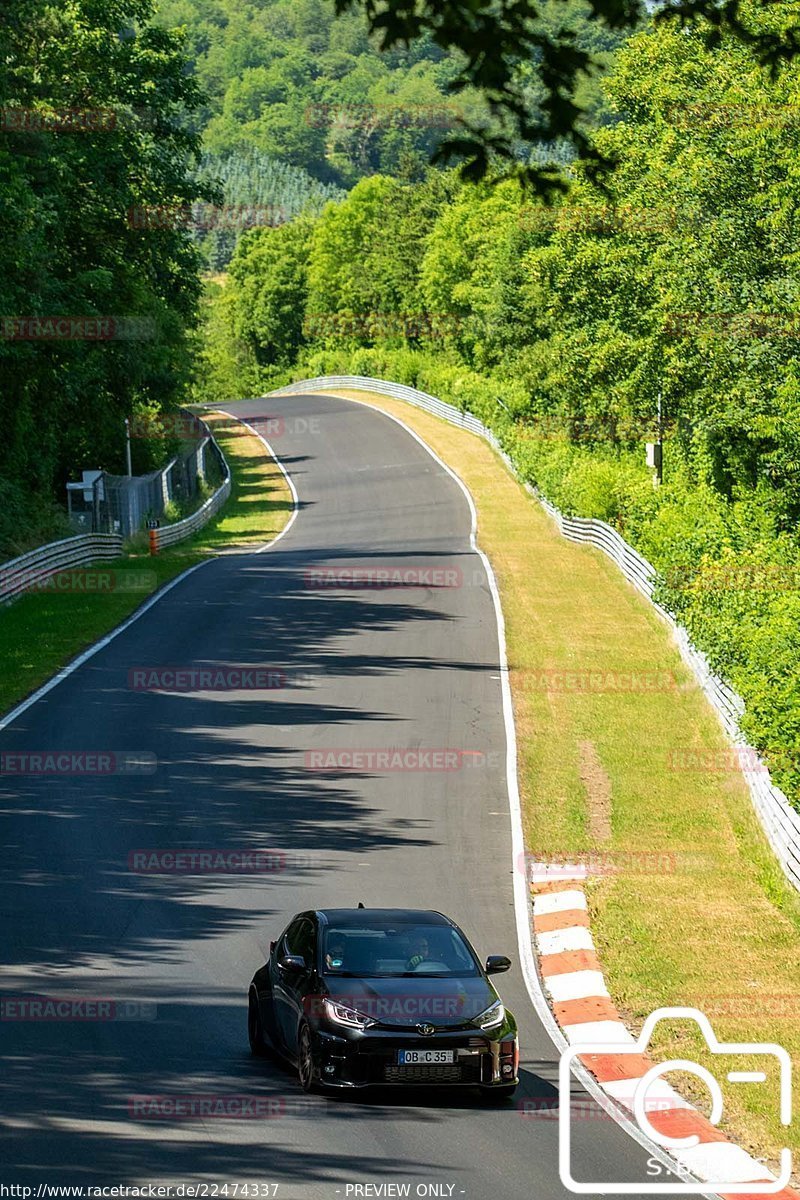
pixel 305 1060
pixel 496 1095
pixel 255 1032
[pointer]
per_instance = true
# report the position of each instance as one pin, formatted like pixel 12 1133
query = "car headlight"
pixel 491 1017
pixel 342 1014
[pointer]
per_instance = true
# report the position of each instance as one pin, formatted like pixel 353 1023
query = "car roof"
pixel 379 917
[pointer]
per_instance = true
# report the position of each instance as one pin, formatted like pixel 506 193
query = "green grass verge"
pixel 698 912
pixel 43 631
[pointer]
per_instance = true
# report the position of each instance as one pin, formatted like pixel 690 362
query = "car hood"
pixel 421 1000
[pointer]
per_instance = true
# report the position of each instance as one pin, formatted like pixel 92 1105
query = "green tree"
pixel 524 31
pixel 69 184
pixel 269 281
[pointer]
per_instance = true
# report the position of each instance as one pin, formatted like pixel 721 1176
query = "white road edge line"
pixel 71 667
pixel 521 899
pixel 521 904
pixel 90 652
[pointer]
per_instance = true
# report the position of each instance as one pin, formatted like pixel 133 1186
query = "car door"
pixel 290 985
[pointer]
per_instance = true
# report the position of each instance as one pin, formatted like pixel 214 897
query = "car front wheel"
pixel 305 1060
pixel 255 1033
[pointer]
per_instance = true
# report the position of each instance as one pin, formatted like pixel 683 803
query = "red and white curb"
pixel 573 979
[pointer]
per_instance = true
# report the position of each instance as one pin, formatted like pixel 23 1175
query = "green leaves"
pixel 91 130
pixel 493 37
pixel 566 320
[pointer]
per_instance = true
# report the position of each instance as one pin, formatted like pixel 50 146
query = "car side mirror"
pixel 292 962
pixel 496 963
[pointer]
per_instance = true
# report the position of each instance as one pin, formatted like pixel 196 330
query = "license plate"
pixel 406 1058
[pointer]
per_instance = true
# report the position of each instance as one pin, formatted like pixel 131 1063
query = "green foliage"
pixel 559 326
pixel 290 80
pixel 521 32
pixel 268 276
pixel 257 191
pixel 68 246
pixel 222 365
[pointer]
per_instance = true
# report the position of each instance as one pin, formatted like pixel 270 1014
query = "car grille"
pixel 461 1072
pixel 408 1027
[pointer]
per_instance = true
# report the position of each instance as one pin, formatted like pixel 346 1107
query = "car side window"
pixel 299 939
pixel 289 938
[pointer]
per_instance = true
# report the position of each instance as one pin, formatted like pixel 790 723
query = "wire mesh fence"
pixel 124 504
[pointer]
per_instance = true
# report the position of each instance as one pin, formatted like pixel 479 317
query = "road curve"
pixel 365 669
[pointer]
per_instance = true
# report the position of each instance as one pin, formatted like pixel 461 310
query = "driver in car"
pixel 334 959
pixel 420 951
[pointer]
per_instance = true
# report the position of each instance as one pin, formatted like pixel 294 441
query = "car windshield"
pixel 403 951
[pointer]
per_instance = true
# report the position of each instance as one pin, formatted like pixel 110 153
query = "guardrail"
pixel 781 822
pixel 32 570
pixel 168 535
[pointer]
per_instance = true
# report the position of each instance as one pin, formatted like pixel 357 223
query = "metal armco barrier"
pixel 168 535
pixel 32 570
pixel 781 822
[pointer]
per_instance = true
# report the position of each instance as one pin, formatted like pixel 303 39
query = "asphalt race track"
pixel 365 669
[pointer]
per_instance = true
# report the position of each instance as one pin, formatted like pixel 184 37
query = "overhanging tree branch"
pixel 494 37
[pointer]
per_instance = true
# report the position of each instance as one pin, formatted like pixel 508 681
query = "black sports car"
pixel 359 997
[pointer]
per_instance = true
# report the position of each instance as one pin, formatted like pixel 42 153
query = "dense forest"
pixel 300 104
pixel 136 145
pixel 560 326
pixel 345 250
pixel 290 79
pixel 93 104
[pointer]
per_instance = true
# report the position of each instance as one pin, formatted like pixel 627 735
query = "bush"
pixel 28 520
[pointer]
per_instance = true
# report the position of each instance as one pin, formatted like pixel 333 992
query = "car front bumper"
pixel 370 1059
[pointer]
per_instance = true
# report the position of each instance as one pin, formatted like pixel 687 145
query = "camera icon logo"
pixel 678 1145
